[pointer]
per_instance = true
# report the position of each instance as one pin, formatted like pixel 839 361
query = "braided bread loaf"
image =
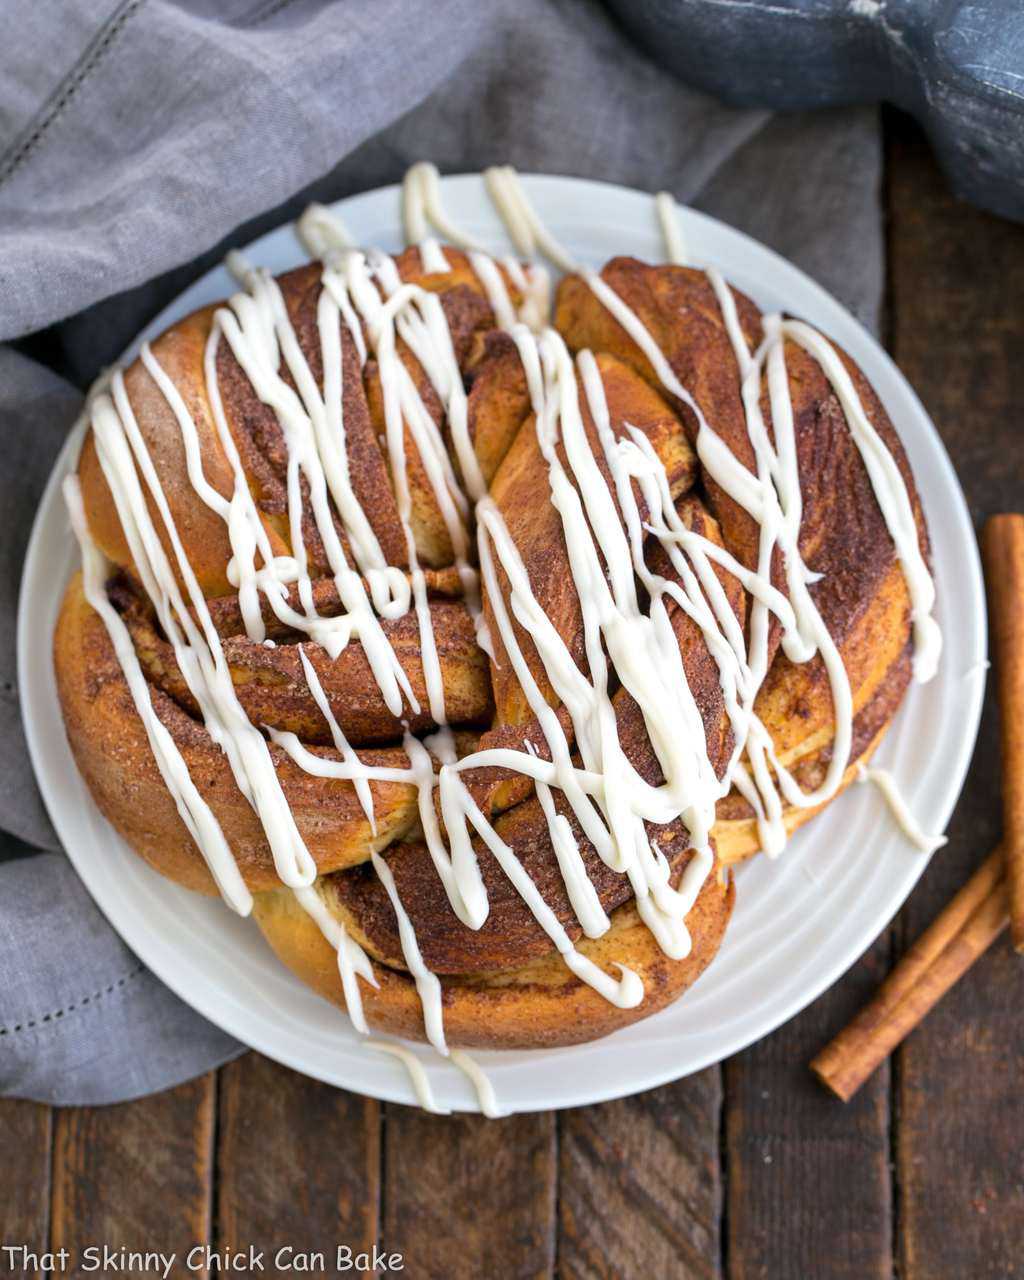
pixel 479 775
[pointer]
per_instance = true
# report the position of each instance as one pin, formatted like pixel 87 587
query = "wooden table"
pixel 745 1170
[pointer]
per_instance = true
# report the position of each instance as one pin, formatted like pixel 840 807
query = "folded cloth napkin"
pixel 158 131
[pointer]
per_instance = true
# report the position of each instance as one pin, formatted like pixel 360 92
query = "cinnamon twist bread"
pixel 453 648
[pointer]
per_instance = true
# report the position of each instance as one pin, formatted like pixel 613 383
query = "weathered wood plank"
pixel 466 1197
pixel 26 1130
pixel 640 1186
pixel 137 1176
pixel 957 279
pixel 809 1188
pixel 298 1165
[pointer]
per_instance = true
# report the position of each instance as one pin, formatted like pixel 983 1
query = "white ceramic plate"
pixel 798 923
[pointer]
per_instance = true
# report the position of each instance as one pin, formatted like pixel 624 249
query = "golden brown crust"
pixel 679 308
pixel 112 751
pixel 511 936
pixel 843 534
pixel 271 685
pixel 179 352
pixel 540 1005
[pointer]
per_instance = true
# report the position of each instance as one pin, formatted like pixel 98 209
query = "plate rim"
pixel 391 1085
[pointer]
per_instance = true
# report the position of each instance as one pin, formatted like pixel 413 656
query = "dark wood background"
pixel 747 1170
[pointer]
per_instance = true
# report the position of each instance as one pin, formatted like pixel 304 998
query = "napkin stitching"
pixel 81 1003
pixel 67 90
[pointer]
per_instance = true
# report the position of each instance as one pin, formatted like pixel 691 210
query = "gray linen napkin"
pixel 161 131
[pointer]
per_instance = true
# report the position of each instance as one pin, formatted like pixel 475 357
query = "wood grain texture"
pixel 138 1174
pixel 639 1184
pixel 809 1191
pixel 957 280
pixel 466 1197
pixel 25 1138
pixel 298 1163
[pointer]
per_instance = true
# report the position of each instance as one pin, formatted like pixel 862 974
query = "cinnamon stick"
pixel 1002 547
pixel 964 929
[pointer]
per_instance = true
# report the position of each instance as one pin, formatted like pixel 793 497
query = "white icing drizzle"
pixel 905 820
pixel 360 781
pixel 648 667
pixel 418 194
pixel 604 533
pixel 304 442
pixel 322 232
pixel 484 1089
pixel 890 491
pixel 196 814
pixel 672 232
pixel 122 454
pixel 422 206
pixel 352 959
pixel 417 1075
pixel 427 984
pixel 527 231
pixel 582 895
